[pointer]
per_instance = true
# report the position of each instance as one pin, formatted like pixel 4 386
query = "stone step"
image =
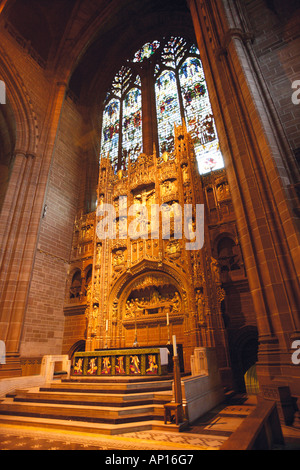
pixel 100 414
pixel 88 427
pixel 108 387
pixel 92 399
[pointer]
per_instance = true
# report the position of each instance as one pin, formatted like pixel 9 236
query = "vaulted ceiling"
pixel 99 33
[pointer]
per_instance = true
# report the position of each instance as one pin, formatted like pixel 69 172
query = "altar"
pixel 121 362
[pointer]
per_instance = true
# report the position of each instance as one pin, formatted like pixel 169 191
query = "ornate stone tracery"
pixel 144 279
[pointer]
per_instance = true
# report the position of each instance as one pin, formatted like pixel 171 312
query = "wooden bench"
pixel 177 409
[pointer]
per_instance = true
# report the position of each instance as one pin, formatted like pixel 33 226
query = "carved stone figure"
pixel 215 268
pixel 200 305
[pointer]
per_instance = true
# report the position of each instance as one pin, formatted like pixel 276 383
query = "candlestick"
pixel 174 346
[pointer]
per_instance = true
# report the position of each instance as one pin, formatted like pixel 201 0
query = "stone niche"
pixel 152 295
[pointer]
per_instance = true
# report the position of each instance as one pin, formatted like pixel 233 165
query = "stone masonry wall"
pixel 44 320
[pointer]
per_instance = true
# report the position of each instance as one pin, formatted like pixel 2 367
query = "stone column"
pixel 20 224
pixel 254 151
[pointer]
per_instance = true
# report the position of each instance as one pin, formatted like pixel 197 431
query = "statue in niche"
pixel 98 254
pixel 119 259
pixel 200 305
pixel 215 268
pixel 101 201
pixel 145 197
pixel 114 309
pixel 89 232
pixel 88 293
pixel 185 173
pixel 167 187
pixel 173 249
pixel 223 191
pixel 94 319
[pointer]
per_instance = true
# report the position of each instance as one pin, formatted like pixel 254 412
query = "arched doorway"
pixel 243 345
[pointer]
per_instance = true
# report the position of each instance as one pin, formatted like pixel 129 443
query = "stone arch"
pixel 87 279
pixel 243 346
pixel 218 238
pixel 7 146
pixel 79 346
pixel 75 284
pixel 143 267
pixel 19 123
pixel 27 133
pixel 121 290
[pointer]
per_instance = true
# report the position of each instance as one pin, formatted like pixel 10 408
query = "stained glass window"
pixel 146 51
pixel 180 93
pixel 122 119
pixel 132 124
pixel 199 118
pixel 173 52
pixel 121 81
pixel 110 131
pixel 168 110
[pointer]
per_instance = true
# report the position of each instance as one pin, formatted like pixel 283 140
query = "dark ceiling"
pixel 49 26
pixel 135 23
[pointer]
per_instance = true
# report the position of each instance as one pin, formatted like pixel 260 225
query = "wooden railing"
pixel 259 431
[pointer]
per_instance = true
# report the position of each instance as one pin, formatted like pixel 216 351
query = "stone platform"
pixel 93 404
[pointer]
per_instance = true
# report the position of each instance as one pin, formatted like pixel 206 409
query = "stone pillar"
pixel 254 151
pixel 20 224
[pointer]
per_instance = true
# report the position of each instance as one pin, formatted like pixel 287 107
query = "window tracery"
pixel 180 94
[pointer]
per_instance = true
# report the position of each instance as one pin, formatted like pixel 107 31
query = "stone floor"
pixel 208 433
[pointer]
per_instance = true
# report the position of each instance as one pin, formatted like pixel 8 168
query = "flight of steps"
pixel 105 405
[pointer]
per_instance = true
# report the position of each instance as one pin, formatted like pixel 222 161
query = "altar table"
pixel 121 362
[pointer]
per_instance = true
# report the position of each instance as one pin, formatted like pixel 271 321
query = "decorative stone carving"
pixel 173 249
pixel 215 268
pixel 119 259
pixel 200 306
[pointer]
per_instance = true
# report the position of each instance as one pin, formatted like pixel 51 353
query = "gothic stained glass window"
pixel 146 51
pixel 122 119
pixel 180 93
pixel 110 131
pixel 199 118
pixel 173 52
pixel 168 110
pixel 132 124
